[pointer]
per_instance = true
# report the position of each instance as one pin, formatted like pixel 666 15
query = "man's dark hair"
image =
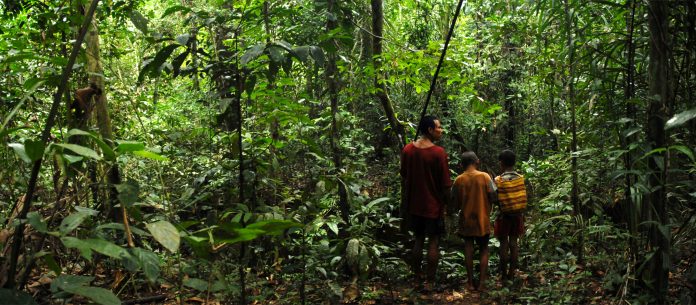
pixel 507 157
pixel 428 121
pixel 468 158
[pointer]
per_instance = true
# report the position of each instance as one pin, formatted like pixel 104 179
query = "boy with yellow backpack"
pixel 509 225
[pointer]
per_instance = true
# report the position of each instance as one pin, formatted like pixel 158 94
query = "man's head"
pixel 430 127
pixel 507 158
pixel 469 158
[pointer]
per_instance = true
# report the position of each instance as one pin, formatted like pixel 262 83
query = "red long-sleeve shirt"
pixel 427 179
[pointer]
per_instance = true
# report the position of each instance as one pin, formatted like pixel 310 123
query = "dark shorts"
pixel 509 225
pixel 480 241
pixel 427 226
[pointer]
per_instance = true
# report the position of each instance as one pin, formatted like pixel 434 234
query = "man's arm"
pixel 492 192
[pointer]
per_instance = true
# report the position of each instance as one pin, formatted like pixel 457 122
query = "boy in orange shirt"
pixel 474 192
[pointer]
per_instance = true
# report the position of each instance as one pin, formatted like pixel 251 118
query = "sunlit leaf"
pixel 20 151
pixel 82 246
pixel 78 285
pixel 685 150
pixel 34 149
pixel 166 234
pixel 128 192
pixel 150 155
pixel 183 39
pixel 81 150
pixel 71 222
pixel 139 21
pixel 106 148
pixel 174 9
pixel 129 146
pixel 681 118
pixel 149 262
pixel 153 67
pixel 35 220
pixel 251 54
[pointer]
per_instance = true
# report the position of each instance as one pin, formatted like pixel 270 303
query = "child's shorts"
pixel 509 225
pixel 427 226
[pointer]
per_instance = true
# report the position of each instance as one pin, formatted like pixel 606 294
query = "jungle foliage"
pixel 248 151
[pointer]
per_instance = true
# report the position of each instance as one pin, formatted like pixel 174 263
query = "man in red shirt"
pixel 425 182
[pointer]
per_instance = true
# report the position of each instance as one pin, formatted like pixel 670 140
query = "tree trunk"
pixel 628 212
pixel 659 96
pixel 332 81
pixel 570 97
pixel 377 29
pixel 94 67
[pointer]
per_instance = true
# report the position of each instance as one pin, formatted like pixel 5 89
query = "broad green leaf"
pixel 275 54
pixel 153 67
pixel 79 285
pixel 139 21
pixel 107 248
pixel 318 55
pixel 149 262
pixel 129 146
pixel 333 226
pixel 274 226
pixel 106 148
pixel 33 83
pixel 128 192
pixel 34 149
pixel 81 150
pixel 15 297
pixel 183 39
pixel 34 219
pixel 681 118
pixel 174 9
pixel 253 52
pixel 71 222
pixel 71 282
pixel 243 234
pixel 52 264
pixel 150 155
pixel 88 211
pixel 178 61
pixel 284 44
pixel 72 242
pixel 302 53
pixel 377 201
pixel 685 150
pixel 200 245
pixel 72 159
pixel 20 151
pixel 197 284
pixel 166 234
pixel 629 132
pixel 98 295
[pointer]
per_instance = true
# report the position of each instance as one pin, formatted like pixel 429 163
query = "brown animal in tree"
pixel 82 105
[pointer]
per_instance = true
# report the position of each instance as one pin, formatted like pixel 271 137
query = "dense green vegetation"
pixel 248 151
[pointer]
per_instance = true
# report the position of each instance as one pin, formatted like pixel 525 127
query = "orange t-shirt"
pixel 471 190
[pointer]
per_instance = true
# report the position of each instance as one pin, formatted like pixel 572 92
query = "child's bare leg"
pixel 514 255
pixel 504 257
pixel 483 267
pixel 469 262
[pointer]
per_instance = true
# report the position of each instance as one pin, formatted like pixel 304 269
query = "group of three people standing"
pixel 427 189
